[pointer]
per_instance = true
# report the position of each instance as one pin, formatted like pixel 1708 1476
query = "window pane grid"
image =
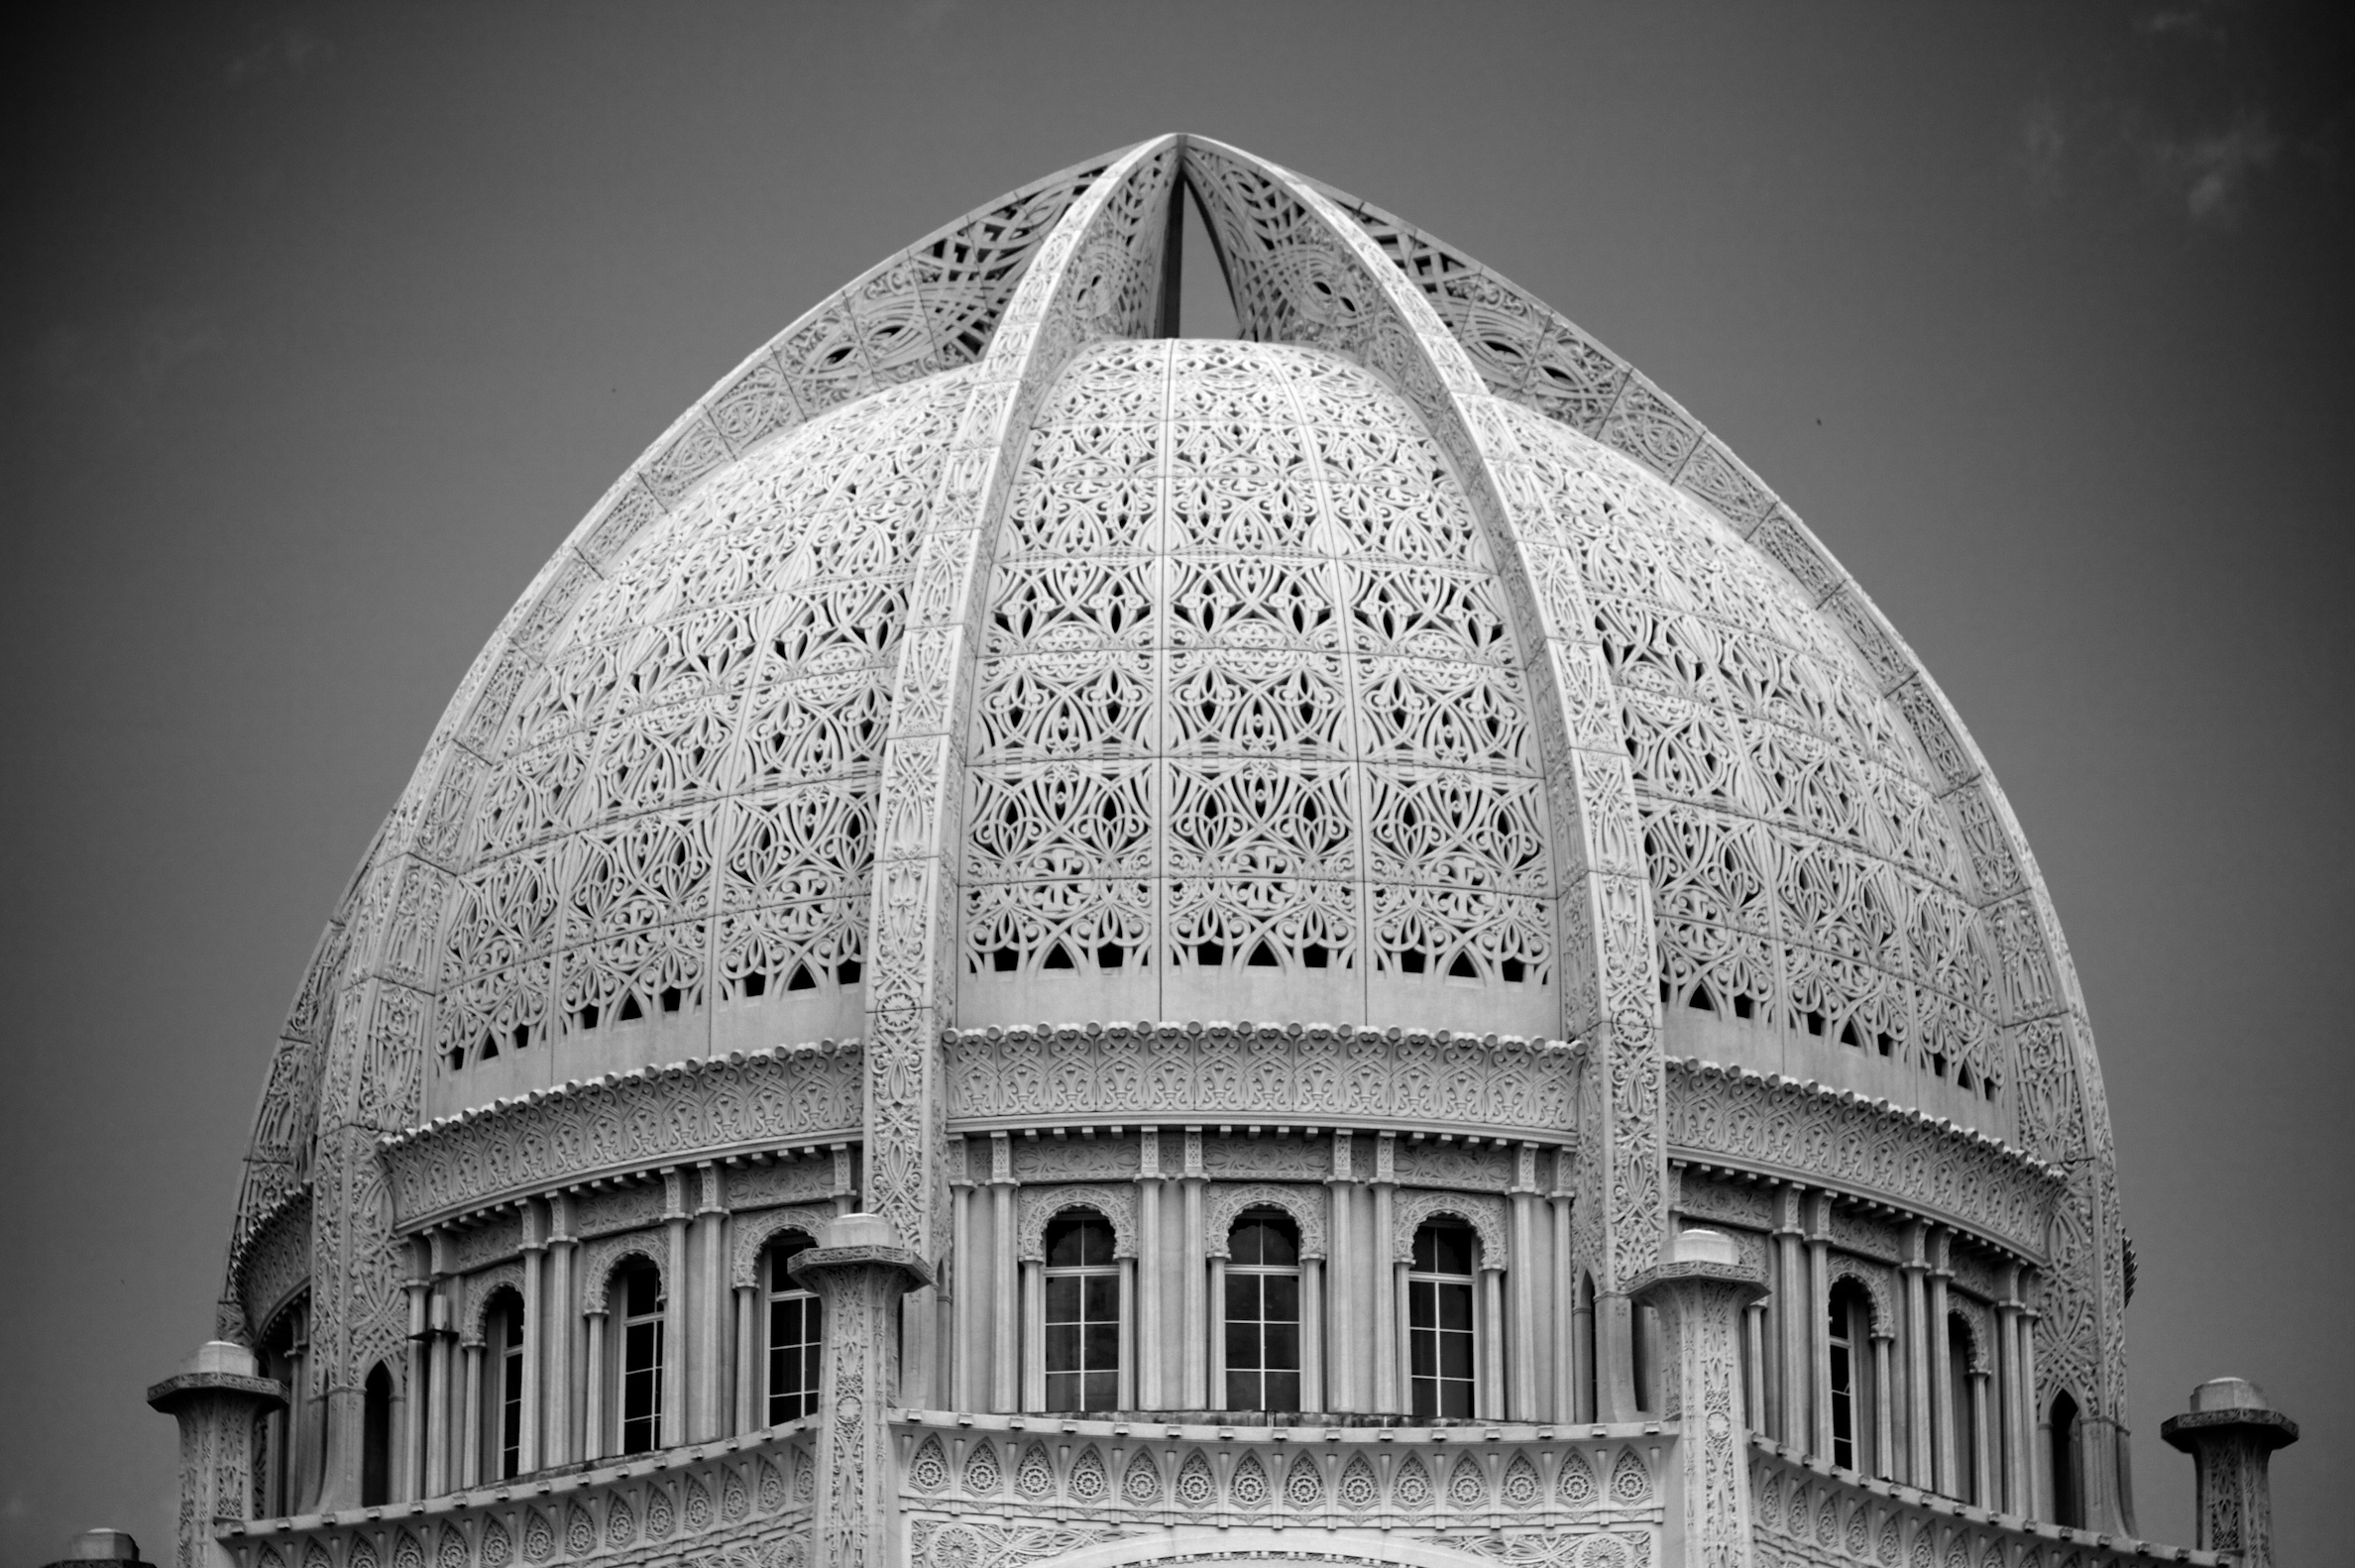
pixel 1081 1321
pixel 795 1340
pixel 1439 1333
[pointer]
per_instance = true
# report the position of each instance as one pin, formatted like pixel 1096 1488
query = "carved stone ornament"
pixel 1486 1215
pixel 754 1231
pixel 1306 1205
pixel 600 1259
pixel 1776 1126
pixel 625 1122
pixel 1041 1204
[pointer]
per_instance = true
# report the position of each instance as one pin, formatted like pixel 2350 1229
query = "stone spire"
pixel 2230 1433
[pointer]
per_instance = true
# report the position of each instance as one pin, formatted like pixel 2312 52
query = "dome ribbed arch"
pixel 1543 432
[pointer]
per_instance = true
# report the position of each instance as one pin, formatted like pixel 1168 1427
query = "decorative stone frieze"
pixel 723 1505
pixel 1302 1072
pixel 1870 1148
pixel 695 1110
pixel 273 1265
pixel 999 1488
pixel 1809 1517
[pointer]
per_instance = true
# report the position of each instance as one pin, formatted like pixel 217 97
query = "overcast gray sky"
pixel 323 325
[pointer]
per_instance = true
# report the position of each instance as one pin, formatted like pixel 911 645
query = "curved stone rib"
pixel 1097 275
pixel 1302 272
pixel 932 306
pixel 1531 354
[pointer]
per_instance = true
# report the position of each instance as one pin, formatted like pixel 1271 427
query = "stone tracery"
pixel 970 655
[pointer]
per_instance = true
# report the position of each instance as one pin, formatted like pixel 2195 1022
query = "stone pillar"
pixel 1150 1341
pixel 1034 1335
pixel 1193 1392
pixel 535 1340
pixel 1793 1376
pixel 1943 1453
pixel 707 1348
pixel 1699 1298
pixel 1390 1392
pixel 1520 1403
pixel 1565 1292
pixel 1914 1265
pixel 1005 1342
pixel 2011 1455
pixel 214 1396
pixel 1819 1324
pixel 1124 1396
pixel 1312 1389
pixel 2230 1433
pixel 858 1271
pixel 470 1425
pixel 1341 1343
pixel 675 1297
pixel 962 1392
pixel 560 1309
pixel 748 1410
pixel 1884 1424
pixel 1753 1389
pixel 1488 1393
pixel 1216 1382
pixel 592 1420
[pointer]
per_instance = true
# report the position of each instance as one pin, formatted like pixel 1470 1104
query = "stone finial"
pixel 2230 1432
pixel 214 1396
pixel 1700 1292
pixel 100 1545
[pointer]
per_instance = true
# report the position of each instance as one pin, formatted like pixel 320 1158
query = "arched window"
pixel 376 1437
pixel 1262 1314
pixel 502 1415
pixel 1582 1341
pixel 1961 1420
pixel 1439 1317
pixel 638 1285
pixel 2068 1501
pixel 1082 1315
pixel 1850 1336
pixel 794 1344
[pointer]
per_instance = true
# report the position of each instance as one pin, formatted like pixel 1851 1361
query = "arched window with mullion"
pixel 1442 1358
pixel 794 1340
pixel 1849 1337
pixel 638 1285
pixel 1082 1315
pixel 503 1410
pixel 1262 1314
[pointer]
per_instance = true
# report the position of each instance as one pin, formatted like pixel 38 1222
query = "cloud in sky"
pixel 295 52
pixel 119 370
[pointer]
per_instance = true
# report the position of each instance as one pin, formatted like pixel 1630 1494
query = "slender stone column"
pixel 470 1428
pixel 1582 1356
pixel 592 1421
pixel 1565 1292
pixel 2038 1500
pixel 1150 1339
pixel 748 1413
pixel 407 1478
pixel 858 1271
pixel 1698 1297
pixel 1341 1383
pixel 1947 1470
pixel 1005 1346
pixel 675 1317
pixel 561 1307
pixel 1819 1321
pixel 214 1396
pixel 437 1400
pixel 1981 1472
pixel 1490 1394
pixel 1312 1390
pixel 963 1393
pixel 1753 1328
pixel 2230 1434
pixel 708 1349
pixel 535 1253
pixel 1389 1324
pixel 1033 1334
pixel 1195 1389
pixel 1520 1321
pixel 2010 1453
pixel 1793 1376
pixel 1214 1342
pixel 1884 1422
pixel 1125 1391
pixel 1913 1265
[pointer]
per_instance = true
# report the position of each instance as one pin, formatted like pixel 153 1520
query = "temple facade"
pixel 1045 942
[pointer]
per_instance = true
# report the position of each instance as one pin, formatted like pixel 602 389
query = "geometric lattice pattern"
pixel 1804 873
pixel 678 822
pixel 1248 710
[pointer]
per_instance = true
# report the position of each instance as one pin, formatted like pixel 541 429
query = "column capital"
pixel 214 1396
pixel 2231 1432
pixel 1700 1294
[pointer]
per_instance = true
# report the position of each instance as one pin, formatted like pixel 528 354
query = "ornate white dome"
pixel 981 653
